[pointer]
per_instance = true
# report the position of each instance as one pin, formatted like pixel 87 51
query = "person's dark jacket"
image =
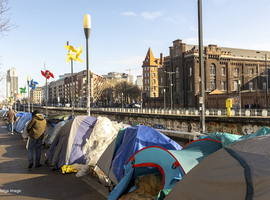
pixel 36 127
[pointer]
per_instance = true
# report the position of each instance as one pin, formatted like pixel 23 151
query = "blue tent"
pixel 172 164
pixel 67 146
pixel 128 142
pixel 25 117
pixel 4 112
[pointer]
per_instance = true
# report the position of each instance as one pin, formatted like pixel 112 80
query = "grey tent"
pixel 238 171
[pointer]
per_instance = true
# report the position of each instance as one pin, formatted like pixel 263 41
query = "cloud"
pixel 151 16
pixel 129 14
pixel 178 19
pixel 129 61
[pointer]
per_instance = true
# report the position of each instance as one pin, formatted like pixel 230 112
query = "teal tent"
pixel 172 164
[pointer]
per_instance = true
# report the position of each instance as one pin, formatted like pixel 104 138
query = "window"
pixel 250 85
pixel 250 72
pixel 212 85
pixel 223 85
pixel 212 70
pixel 223 71
pixel 147 74
pixel 177 72
pixel 190 71
pixel 145 81
pixel 236 72
pixel 154 88
pixel 147 68
pixel 190 86
pixel 177 87
pixel 153 68
pixel 235 85
pixel 154 74
pixel 154 81
pixel 148 81
pixel 161 80
pixel 264 85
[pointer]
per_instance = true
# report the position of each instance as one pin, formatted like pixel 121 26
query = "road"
pixel 19 182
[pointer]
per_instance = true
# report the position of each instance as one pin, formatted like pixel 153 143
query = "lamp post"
pixel 15 99
pixel 171 84
pixel 239 88
pixel 266 75
pixel 164 93
pixel 72 88
pixel 201 65
pixel 87 30
pixel 122 102
pixel 28 82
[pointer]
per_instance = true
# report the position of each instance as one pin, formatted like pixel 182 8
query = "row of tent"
pixel 216 166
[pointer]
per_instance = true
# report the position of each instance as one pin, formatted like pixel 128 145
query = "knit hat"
pixel 35 112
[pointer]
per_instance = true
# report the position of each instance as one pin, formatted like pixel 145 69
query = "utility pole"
pixel 201 65
pixel 171 84
pixel 266 72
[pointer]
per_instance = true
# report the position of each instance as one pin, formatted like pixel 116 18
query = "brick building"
pixel 226 69
pixel 80 87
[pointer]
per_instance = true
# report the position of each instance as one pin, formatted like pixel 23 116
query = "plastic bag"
pixel 103 134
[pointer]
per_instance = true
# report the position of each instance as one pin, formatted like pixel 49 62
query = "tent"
pixel 53 132
pixel 238 171
pixel 172 164
pixel 66 148
pixel 128 142
pixel 227 138
pixel 20 124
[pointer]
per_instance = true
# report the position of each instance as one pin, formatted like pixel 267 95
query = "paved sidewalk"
pixel 19 182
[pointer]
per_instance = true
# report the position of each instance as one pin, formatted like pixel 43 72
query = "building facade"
pixel 150 67
pixel 36 95
pixel 228 70
pixel 119 77
pixel 80 87
pixel 12 82
pixel 57 92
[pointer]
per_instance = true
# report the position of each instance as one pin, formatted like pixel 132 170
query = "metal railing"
pixel 190 111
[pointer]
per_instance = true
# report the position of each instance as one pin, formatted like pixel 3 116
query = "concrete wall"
pixel 180 123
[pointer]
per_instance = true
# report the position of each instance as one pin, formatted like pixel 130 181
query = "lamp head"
pixel 87 26
pixel 87 21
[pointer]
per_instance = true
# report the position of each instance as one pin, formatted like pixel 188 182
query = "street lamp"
pixel 28 82
pixel 15 99
pixel 87 29
pixel 164 92
pixel 266 75
pixel 170 77
pixel 122 102
pixel 239 88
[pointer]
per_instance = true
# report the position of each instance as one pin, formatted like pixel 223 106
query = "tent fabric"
pixel 66 148
pixel 103 134
pixel 238 171
pixel 131 140
pixel 227 139
pixel 20 124
pixel 173 166
pixel 49 138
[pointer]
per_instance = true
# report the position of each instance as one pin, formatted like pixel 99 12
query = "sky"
pixel 122 31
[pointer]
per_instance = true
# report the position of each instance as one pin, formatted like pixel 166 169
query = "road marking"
pixel 3 126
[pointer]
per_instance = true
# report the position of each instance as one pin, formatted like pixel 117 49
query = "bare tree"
pixel 5 23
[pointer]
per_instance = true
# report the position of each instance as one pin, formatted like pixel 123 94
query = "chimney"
pixel 161 59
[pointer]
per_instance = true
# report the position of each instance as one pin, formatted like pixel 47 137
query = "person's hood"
pixel 39 116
